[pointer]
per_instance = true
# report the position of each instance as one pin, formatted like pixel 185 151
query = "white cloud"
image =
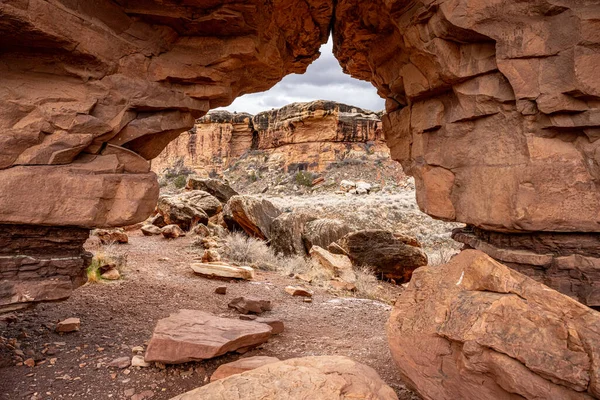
pixel 323 80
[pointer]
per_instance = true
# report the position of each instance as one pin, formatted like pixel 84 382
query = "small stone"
pixel 137 350
pixel 307 300
pixel 126 372
pixel 250 317
pixel 211 255
pixel 221 290
pixel 151 230
pixel 138 361
pixel 68 325
pixel 111 275
pixel 129 392
pixel 29 362
pixel 298 291
pixel 121 362
pixel 172 231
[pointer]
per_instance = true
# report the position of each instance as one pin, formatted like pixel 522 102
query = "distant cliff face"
pixel 307 136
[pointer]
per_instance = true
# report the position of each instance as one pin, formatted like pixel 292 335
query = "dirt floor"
pixel 117 316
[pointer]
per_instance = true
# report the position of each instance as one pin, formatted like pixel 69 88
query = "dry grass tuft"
pixel 242 249
pixel 441 256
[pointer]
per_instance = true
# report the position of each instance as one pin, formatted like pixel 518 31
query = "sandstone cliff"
pixel 307 136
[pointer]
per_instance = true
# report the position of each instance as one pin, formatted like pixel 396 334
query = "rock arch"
pixel 493 106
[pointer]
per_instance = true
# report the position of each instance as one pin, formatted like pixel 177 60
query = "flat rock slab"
pixel 319 378
pixel 222 271
pixel 241 365
pixel 191 335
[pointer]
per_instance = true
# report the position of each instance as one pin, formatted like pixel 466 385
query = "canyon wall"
pixel 494 108
pixel 308 136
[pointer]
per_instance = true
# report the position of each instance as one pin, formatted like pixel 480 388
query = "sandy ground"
pixel 118 316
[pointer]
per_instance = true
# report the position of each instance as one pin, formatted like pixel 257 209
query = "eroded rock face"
pixel 252 214
pixel 476 329
pixel 40 264
pixel 309 136
pixel 493 107
pixel 91 92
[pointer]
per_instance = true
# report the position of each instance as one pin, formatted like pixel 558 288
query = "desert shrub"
pixel 109 254
pixel 179 181
pixel 246 250
pixel 304 178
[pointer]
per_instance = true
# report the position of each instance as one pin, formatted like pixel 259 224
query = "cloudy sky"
pixel 324 80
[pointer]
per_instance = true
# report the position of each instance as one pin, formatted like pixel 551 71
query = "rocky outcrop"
pixel 325 377
pixel 566 262
pixel 252 214
pixel 190 335
pixel 221 190
pixel 286 233
pixel 93 92
pixel 324 231
pixel 40 264
pixel 492 107
pixel 475 329
pixel 188 208
pixel 391 256
pixel 307 136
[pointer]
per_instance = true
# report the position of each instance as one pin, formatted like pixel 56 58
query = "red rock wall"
pixel 312 135
pixel 493 107
pixel 92 90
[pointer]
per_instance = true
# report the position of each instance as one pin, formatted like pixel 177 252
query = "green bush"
pixel 304 178
pixel 180 181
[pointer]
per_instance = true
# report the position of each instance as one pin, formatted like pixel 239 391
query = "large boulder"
pixel 189 208
pixel 475 329
pixel 286 233
pixel 322 378
pixel 215 187
pixel 190 335
pixel 252 214
pixel 322 232
pixel 392 256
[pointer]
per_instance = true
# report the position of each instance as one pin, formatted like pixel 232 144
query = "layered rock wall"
pixel 92 91
pixel 493 107
pixel 307 136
